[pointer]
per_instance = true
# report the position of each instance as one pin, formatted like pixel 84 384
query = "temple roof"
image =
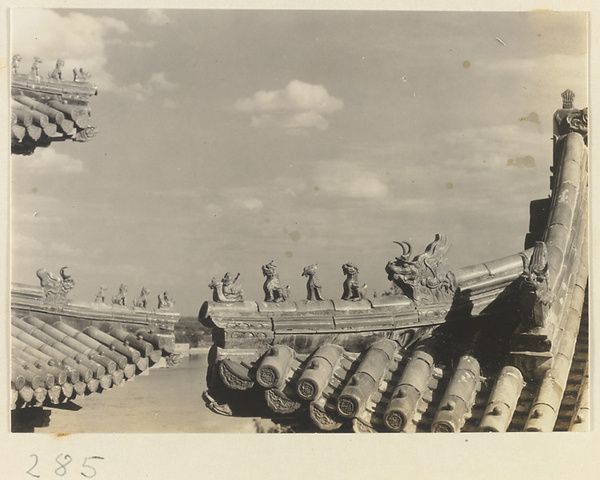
pixel 63 349
pixel 498 346
pixel 49 109
pixel 53 362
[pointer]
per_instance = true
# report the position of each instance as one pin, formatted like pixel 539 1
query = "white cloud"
pixel 156 16
pixel 48 161
pixel 76 38
pixel 252 204
pixel 308 119
pixel 157 83
pixel 349 180
pixel 296 95
pixel 169 103
pixel 296 108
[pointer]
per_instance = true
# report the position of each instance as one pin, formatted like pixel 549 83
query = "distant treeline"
pixel 190 330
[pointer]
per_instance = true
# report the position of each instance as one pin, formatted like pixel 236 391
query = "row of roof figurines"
pixel 422 279
pixel 56 289
pixel 79 75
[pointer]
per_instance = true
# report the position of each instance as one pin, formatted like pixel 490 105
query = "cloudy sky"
pixel 232 138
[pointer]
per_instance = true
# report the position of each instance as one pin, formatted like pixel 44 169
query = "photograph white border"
pixel 326 456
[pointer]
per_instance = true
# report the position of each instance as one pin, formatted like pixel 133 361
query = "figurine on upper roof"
pixel 51 109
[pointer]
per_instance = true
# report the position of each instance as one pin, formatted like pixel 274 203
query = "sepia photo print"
pixel 298 221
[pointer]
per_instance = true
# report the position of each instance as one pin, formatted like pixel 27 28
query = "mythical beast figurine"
pixel 227 290
pixel 55 289
pixel 313 285
pixel 424 278
pixel 352 289
pixel 274 290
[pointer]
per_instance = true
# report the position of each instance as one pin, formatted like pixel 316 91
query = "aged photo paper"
pixel 224 220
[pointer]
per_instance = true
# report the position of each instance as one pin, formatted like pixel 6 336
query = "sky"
pixel 230 138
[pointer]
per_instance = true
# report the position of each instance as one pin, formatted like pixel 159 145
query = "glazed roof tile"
pixel 49 352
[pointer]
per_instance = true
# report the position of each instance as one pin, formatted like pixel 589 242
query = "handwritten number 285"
pixel 63 460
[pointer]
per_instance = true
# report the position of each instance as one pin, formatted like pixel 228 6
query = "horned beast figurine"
pixel 55 289
pixel 424 278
